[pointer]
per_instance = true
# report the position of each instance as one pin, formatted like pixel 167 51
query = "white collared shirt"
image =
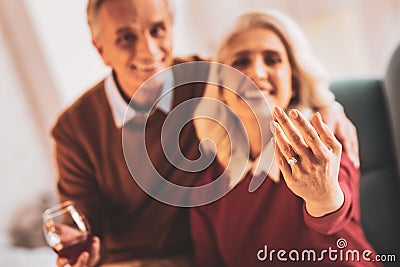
pixel 264 164
pixel 122 112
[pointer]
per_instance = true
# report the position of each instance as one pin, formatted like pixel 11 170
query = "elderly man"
pixel 133 37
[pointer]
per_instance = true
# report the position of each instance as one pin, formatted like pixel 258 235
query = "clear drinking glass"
pixel 67 231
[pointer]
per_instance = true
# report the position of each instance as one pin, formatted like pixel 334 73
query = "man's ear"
pixel 100 50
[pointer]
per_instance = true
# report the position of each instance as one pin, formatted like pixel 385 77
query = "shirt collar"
pixel 261 167
pixel 122 112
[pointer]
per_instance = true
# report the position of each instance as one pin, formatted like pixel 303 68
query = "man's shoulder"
pixel 83 107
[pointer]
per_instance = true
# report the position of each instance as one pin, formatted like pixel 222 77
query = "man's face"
pixel 134 38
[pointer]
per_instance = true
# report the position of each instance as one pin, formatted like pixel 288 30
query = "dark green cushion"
pixel 366 106
pixel 392 93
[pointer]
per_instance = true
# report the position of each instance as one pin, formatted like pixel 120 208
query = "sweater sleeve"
pixel 334 222
pixel 76 176
pixel 205 243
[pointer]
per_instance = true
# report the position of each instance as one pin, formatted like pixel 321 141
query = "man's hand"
pixel 85 259
pixel 344 130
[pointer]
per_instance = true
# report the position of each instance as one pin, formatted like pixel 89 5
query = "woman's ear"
pixel 295 87
pixel 295 92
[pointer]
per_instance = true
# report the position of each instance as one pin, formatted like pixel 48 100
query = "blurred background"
pixel 47 60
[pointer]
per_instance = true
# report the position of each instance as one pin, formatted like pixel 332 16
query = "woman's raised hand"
pixel 308 154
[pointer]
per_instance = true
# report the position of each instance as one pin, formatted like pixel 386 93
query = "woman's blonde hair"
pixel 309 79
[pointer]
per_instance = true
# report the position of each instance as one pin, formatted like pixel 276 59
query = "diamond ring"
pixel 292 161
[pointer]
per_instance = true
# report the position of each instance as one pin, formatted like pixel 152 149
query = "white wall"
pixel 351 37
pixel 65 39
pixel 25 171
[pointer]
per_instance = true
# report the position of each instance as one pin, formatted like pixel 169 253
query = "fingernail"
pixel 294 114
pixel 272 125
pixel 278 111
pixel 86 256
pixel 273 141
pixel 319 116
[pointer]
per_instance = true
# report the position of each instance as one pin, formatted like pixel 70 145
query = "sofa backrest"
pixel 365 104
pixel 366 107
pixel 392 93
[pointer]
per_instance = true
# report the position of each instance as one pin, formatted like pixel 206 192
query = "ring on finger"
pixel 292 161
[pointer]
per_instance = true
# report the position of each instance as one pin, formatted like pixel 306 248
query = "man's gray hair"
pixel 93 8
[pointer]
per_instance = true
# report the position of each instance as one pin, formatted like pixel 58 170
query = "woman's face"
pixel 261 55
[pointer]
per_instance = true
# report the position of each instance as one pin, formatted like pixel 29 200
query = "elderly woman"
pixel 307 211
